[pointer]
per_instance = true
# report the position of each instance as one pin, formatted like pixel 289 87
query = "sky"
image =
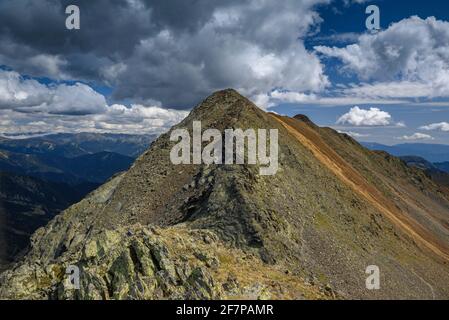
pixel 139 66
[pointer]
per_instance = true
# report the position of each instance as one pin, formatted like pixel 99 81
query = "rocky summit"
pixel 164 231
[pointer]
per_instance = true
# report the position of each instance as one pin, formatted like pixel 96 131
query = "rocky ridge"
pixel 161 231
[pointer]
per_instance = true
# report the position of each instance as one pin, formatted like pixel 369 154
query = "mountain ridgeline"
pixel 164 231
pixel 435 153
pixel 74 145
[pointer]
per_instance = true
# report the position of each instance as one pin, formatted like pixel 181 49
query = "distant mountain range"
pixel 430 152
pixel 94 168
pixel 74 145
pixel 41 176
pixel 436 171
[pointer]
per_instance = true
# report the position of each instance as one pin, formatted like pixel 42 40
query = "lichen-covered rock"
pixel 138 262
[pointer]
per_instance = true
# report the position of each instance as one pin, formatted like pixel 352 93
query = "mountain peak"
pixel 304 118
pixel 224 109
pixel 226 99
pixel 226 94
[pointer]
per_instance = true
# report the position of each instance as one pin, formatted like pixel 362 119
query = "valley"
pixel 43 176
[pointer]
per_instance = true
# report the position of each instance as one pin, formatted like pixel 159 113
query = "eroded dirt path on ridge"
pixel 345 172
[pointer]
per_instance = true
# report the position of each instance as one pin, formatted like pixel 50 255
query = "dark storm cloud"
pixel 184 15
pixel 110 30
pixel 108 26
pixel 173 51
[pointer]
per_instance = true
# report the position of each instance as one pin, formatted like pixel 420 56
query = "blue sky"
pixel 340 19
pixel 143 72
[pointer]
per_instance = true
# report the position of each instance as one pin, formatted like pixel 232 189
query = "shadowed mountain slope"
pixel 435 171
pixel 93 168
pixel 444 166
pixel 27 204
pixel 224 231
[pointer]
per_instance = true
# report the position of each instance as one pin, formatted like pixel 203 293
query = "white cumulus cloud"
pixel 28 106
pixel 29 95
pixel 409 59
pixel 442 126
pixel 417 136
pixel 361 117
pixel 354 134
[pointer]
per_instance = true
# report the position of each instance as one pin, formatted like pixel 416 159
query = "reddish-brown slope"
pixel 344 171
